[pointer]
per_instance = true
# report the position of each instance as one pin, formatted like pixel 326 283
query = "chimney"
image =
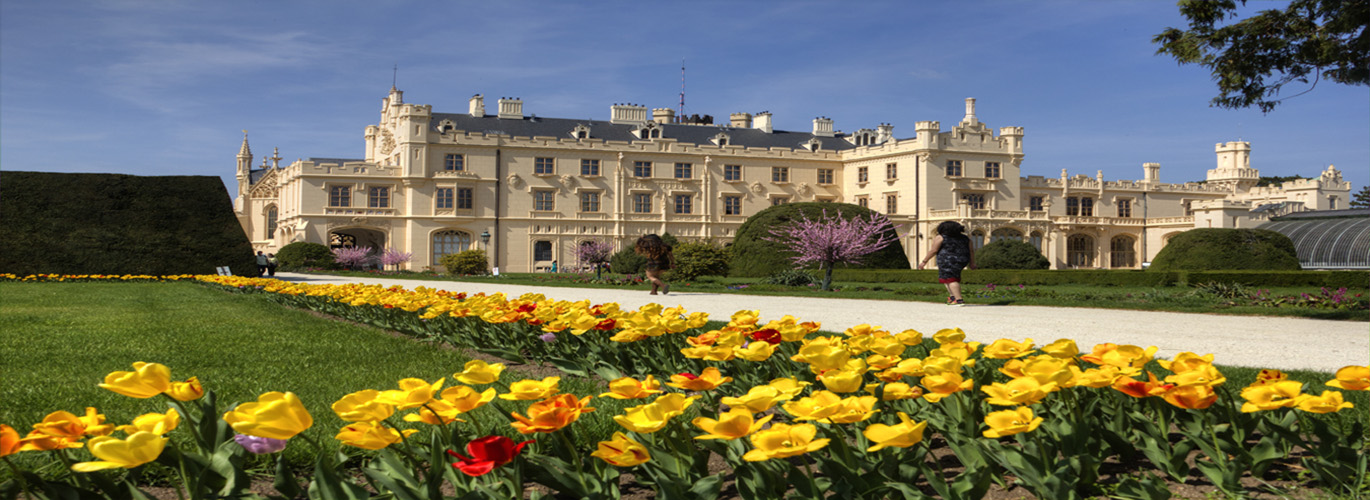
pixel 511 108
pixel 629 114
pixel 663 115
pixel 884 133
pixel 740 120
pixel 970 112
pixel 822 126
pixel 762 122
pixel 477 106
pixel 1151 173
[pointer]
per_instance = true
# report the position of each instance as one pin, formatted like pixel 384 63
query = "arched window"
pixel 1121 252
pixel 1005 233
pixel 448 242
pixel 977 240
pixel 542 250
pixel 1080 251
pixel 1036 240
pixel 271 216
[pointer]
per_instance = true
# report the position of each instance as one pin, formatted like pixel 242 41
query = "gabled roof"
pixel 599 129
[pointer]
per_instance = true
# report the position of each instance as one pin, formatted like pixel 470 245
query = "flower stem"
pixel 23 483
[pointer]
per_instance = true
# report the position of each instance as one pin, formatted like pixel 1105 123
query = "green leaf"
pixel 503 353
pixel 707 488
pixel 1147 488
pixel 568 366
pixel 285 482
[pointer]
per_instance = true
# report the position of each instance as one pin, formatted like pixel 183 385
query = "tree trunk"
pixel 827 275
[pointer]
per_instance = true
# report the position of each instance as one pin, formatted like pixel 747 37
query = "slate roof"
pixel 334 161
pixel 599 129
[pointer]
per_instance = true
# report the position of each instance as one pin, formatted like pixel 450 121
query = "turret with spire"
pixel 244 167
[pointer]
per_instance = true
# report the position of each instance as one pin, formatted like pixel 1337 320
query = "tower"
pixel 244 167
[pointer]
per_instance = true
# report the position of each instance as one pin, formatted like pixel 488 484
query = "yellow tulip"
pixel 944 384
pixel 66 425
pixel 1269 377
pixel 842 381
pixel 147 380
pixel 529 390
pixel 1008 349
pixel 436 412
pixel 138 449
pixel 1186 361
pixel 895 390
pixel 274 415
pixel 1100 377
pixel 413 393
pixel 371 436
pixel 789 386
pixel 902 435
pixel 734 424
pixel 782 441
pixel 706 380
pixel 551 414
pixel 1192 397
pixel 1328 402
pixel 949 335
pixel 1049 369
pixel 363 406
pixel 853 409
pixel 189 390
pixel 1019 391
pixel 1062 348
pixel 937 365
pixel 1351 378
pixel 744 318
pixel 824 356
pixel 1197 375
pixel 760 398
pixel 465 399
pixel 755 351
pixel 478 372
pixel 818 406
pixel 1271 396
pixel 1010 422
pixel 621 451
pixel 37 441
pixel 1121 356
pixel 9 440
pixel 960 351
pixel 631 388
pixel 652 417
pixel 909 337
pixel 156 423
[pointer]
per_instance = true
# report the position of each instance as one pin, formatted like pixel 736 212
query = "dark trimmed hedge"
pixel 1010 254
pixel 1207 249
pixel 754 257
pixel 1104 277
pixel 119 224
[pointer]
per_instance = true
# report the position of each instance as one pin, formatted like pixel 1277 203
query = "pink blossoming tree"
pixel 352 257
pixel 832 240
pixel 394 257
pixel 594 253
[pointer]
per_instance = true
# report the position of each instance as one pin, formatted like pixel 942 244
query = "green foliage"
pixel 699 258
pixel 790 277
pixel 119 224
pixel 467 262
pixel 669 239
pixel 1121 277
pixel 627 261
pixel 1362 198
pixel 1226 249
pixel 755 257
pixel 302 254
pixel 1010 254
pixel 1277 180
pixel 1253 58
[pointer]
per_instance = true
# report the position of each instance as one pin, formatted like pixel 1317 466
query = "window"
pixel 684 204
pixel 891 171
pixel 891 204
pixel 378 197
pixel 780 174
pixel 1087 207
pixel 977 240
pixel 1072 206
pixel 1188 208
pixel 589 201
pixel 975 200
pixel 953 168
pixel 991 170
pixel 542 200
pixel 1005 234
pixel 271 216
pixel 862 174
pixel 825 176
pixel 1080 251
pixel 449 242
pixel 1125 208
pixel 454 162
pixel 1035 203
pixel 339 196
pixel 863 202
pixel 642 169
pixel 443 198
pixel 464 198
pixel 732 205
pixel 1036 240
pixel 544 166
pixel 684 170
pixel 542 250
pixel 589 167
pixel 642 203
pixel 732 172
pixel 1121 253
pixel 780 200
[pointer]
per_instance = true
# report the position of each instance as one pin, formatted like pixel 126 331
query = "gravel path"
pixel 1254 341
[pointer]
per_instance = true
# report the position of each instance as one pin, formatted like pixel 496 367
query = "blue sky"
pixel 165 88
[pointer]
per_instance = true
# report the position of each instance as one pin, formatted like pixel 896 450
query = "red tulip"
pixel 486 454
pixel 768 335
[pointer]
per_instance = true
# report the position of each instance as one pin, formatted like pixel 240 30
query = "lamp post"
pixel 485 239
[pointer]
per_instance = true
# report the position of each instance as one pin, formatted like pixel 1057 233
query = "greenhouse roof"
pixel 1327 239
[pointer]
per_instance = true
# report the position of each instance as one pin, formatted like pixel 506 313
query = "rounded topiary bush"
pixel 467 262
pixel 755 257
pixel 699 258
pixel 303 254
pixel 1223 249
pixel 1010 254
pixel 627 261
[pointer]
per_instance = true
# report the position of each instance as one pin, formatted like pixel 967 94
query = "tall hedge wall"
pixel 753 256
pixel 119 224
pixel 1120 277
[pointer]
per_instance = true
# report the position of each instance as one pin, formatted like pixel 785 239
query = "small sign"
pixel 496 271
pixel 224 271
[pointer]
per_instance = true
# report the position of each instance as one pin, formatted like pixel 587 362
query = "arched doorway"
pixel 1080 251
pixel 1122 252
pixel 357 237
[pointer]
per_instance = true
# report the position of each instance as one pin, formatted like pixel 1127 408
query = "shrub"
pixel 467 262
pixel 1221 249
pixel 627 261
pixel 753 256
pixel 790 277
pixel 1010 254
pixel 302 254
pixel 699 258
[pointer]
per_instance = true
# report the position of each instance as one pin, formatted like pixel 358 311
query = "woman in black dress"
pixel 951 247
pixel 659 260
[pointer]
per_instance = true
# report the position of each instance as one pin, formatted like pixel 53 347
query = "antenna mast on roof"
pixel 680 115
pixel 395 78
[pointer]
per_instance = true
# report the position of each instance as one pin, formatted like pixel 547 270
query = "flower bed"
pixel 793 412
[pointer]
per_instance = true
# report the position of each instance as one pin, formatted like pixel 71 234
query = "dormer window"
pixel 812 144
pixel 720 140
pixel 863 137
pixel 649 131
pixel 580 132
pixel 446 126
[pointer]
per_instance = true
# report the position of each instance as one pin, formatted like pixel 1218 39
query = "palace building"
pixel 530 189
